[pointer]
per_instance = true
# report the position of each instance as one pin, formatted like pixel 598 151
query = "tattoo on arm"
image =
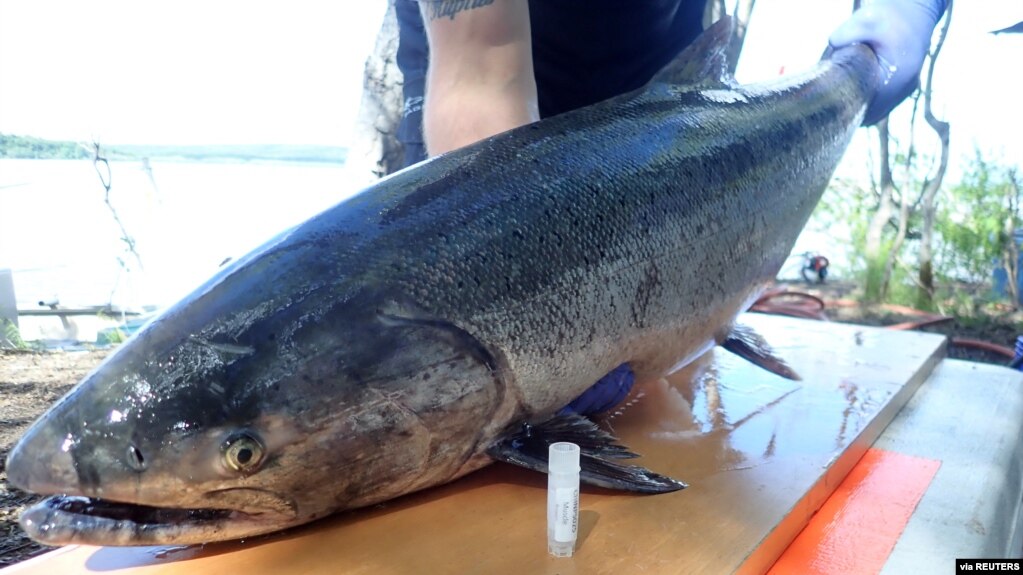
pixel 437 9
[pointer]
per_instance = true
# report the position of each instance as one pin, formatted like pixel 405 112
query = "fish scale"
pixel 738 250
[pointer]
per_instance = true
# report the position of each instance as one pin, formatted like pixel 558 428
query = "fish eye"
pixel 243 452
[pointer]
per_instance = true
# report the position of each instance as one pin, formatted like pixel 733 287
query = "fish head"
pixel 152 447
pixel 202 429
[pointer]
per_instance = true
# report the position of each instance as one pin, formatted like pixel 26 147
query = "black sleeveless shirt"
pixel 584 51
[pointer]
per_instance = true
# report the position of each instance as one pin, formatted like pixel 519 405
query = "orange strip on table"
pixel 858 526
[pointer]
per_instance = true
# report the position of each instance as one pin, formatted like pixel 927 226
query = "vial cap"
pixel 564 457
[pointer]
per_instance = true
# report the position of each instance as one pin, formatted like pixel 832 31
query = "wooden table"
pixel 761 455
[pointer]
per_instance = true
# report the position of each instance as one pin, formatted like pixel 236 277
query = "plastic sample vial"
pixel 562 498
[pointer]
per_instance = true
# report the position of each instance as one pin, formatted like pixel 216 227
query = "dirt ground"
pixel 31 382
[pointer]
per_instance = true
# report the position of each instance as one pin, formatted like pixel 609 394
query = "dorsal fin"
pixel 702 63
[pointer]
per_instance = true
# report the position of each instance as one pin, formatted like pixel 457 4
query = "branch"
pixel 875 193
pixel 886 164
pixel 97 159
pixel 885 184
pixel 933 186
pixel 942 310
pixel 939 126
pixel 911 153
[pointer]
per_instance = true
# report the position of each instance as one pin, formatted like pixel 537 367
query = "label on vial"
pixel 566 513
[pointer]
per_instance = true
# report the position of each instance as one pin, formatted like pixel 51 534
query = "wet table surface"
pixel 760 453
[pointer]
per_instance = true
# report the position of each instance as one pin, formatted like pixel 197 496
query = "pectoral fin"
pixel 527 447
pixel 746 343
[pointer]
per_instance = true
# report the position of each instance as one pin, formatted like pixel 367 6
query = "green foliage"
pixel 26 147
pixel 972 222
pixel 10 337
pixel 969 243
pixel 846 202
pixel 962 300
pixel 850 203
pixel 874 273
pixel 113 336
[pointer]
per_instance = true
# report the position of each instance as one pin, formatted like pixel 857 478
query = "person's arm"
pixel 480 80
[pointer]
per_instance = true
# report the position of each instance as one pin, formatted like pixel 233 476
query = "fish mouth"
pixel 67 519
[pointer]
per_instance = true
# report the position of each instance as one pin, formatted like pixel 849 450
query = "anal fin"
pixel 746 343
pixel 528 447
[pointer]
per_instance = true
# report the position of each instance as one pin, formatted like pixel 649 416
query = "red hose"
pixel 812 307
pixel 984 345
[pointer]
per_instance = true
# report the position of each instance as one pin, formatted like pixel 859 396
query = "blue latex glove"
pixel 605 394
pixel 899 31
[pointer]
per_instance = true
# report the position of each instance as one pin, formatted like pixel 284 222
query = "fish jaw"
pixel 69 519
pixel 119 511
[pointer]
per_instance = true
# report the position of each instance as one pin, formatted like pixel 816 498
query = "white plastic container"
pixel 562 498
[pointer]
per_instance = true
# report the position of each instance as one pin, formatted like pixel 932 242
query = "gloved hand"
pixel 899 31
pixel 605 394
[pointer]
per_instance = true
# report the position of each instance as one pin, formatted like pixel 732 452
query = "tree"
pixel 1013 222
pixel 27 147
pixel 978 225
pixel 877 251
pixel 881 246
pixel 933 184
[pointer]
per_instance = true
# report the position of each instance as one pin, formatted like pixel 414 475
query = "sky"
pixel 184 71
pixel 233 72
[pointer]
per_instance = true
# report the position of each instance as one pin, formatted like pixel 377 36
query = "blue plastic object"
pixel 1000 277
pixel 605 394
pixel 1017 362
